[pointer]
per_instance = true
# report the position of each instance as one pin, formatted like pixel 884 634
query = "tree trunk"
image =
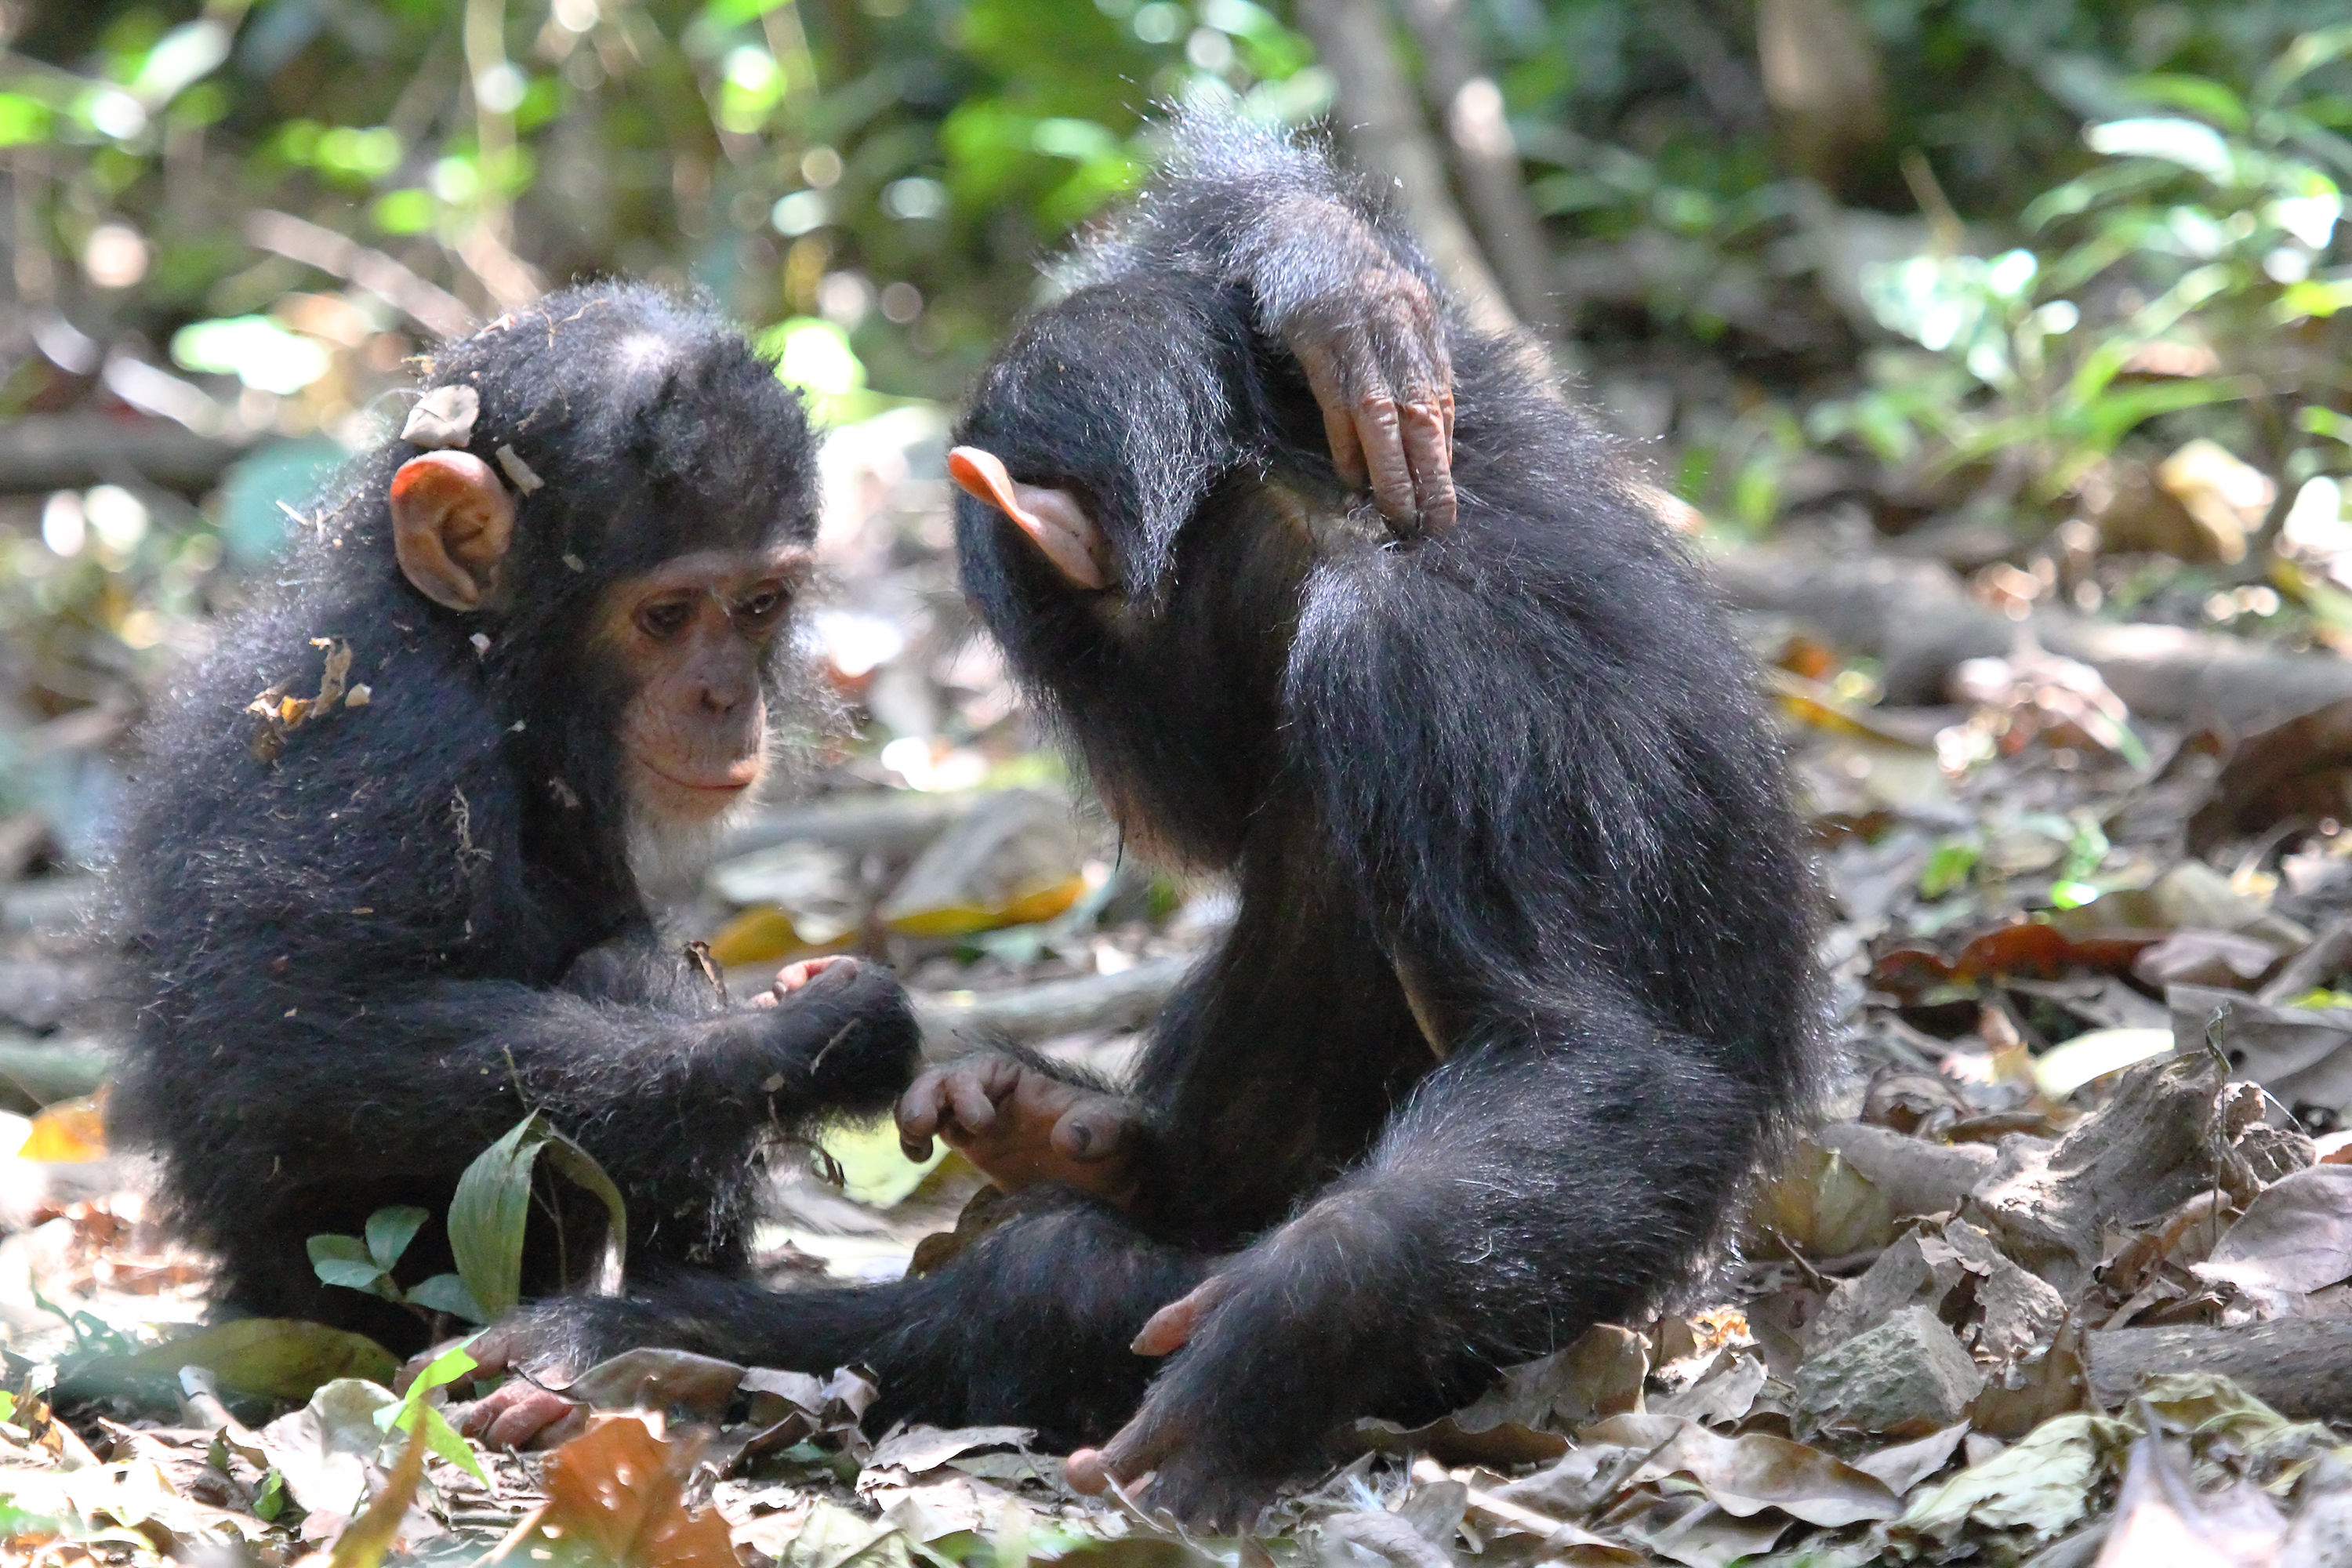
pixel 1383 129
pixel 1486 160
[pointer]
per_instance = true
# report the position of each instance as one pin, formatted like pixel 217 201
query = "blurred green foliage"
pixel 2062 234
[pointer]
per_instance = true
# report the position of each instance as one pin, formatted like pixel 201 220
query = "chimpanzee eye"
pixel 664 618
pixel 762 603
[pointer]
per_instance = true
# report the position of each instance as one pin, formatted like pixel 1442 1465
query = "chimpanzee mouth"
pixel 721 784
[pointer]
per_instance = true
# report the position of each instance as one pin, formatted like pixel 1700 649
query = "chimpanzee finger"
pixel 534 1417
pixel 1092 1131
pixel 792 976
pixel 919 1114
pixel 1136 1450
pixel 1425 444
pixel 1323 377
pixel 1381 427
pixel 969 1096
pixel 1172 1328
pixel 512 1413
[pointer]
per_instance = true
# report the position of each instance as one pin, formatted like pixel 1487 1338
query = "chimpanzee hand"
pixel 1022 1126
pixel 540 1348
pixel 836 1034
pixel 1374 351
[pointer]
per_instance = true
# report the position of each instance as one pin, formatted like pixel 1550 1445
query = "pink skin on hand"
pixel 792 976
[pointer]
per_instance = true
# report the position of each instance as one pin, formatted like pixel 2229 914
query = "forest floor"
pixel 2060 1279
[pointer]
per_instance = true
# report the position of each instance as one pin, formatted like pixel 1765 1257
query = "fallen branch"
pixel 2300 1366
pixel 435 308
pixel 955 1021
pixel 73 451
pixel 1917 618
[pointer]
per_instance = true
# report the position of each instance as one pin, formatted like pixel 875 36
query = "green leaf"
pixel 440 1435
pixel 344 1260
pixel 1948 866
pixel 447 1293
pixel 488 1215
pixel 350 1248
pixel 492 1207
pixel 390 1230
pixel 351 1275
pixel 270 1501
pixel 2302 57
pixel 22 120
pixel 2199 95
pixel 281 1359
pixel 445 1441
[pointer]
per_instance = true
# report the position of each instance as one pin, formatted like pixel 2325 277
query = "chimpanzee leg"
pixel 1525 1193
pixel 1030 1327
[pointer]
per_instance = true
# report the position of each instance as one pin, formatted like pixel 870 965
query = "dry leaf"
pixel 68 1133
pixel 1745 1475
pixel 365 1540
pixel 918 1449
pixel 2161 1517
pixel 679 1384
pixel 2041 1483
pixel 615 1496
pixel 2294 1237
pixel 1906 1464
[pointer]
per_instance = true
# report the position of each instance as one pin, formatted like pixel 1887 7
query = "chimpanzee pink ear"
pixel 1053 519
pixel 451 523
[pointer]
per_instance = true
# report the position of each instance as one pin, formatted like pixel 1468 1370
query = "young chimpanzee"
pixel 378 893
pixel 1520 986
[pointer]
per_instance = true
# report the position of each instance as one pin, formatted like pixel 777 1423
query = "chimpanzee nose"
pixel 726 687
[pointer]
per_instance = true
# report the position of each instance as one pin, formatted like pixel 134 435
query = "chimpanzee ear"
pixel 1053 519
pixel 451 523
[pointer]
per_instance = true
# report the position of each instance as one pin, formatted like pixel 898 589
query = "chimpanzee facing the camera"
pixel 1521 986
pixel 380 889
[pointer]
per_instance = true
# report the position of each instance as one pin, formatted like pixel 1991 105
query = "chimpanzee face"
pixel 689 637
pixel 692 638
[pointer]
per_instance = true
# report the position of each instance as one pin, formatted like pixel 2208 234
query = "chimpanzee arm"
pixel 669 1102
pixel 641 968
pixel 1331 277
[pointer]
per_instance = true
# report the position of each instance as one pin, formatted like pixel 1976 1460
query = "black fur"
pixel 1523 760
pixel 360 962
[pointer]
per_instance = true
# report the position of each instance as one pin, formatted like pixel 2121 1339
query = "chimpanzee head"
pixel 614 498
pixel 1138 514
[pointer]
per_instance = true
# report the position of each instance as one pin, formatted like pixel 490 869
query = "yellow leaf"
pixel 1022 909
pixel 764 935
pixel 68 1133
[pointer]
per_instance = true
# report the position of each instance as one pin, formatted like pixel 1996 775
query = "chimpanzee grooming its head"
pixel 1522 968
pixel 377 888
pixel 1520 986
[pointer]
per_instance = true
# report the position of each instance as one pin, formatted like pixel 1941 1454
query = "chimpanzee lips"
pixel 738 776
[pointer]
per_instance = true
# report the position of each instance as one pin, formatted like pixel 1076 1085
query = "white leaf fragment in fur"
pixel 442 417
pixel 519 471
